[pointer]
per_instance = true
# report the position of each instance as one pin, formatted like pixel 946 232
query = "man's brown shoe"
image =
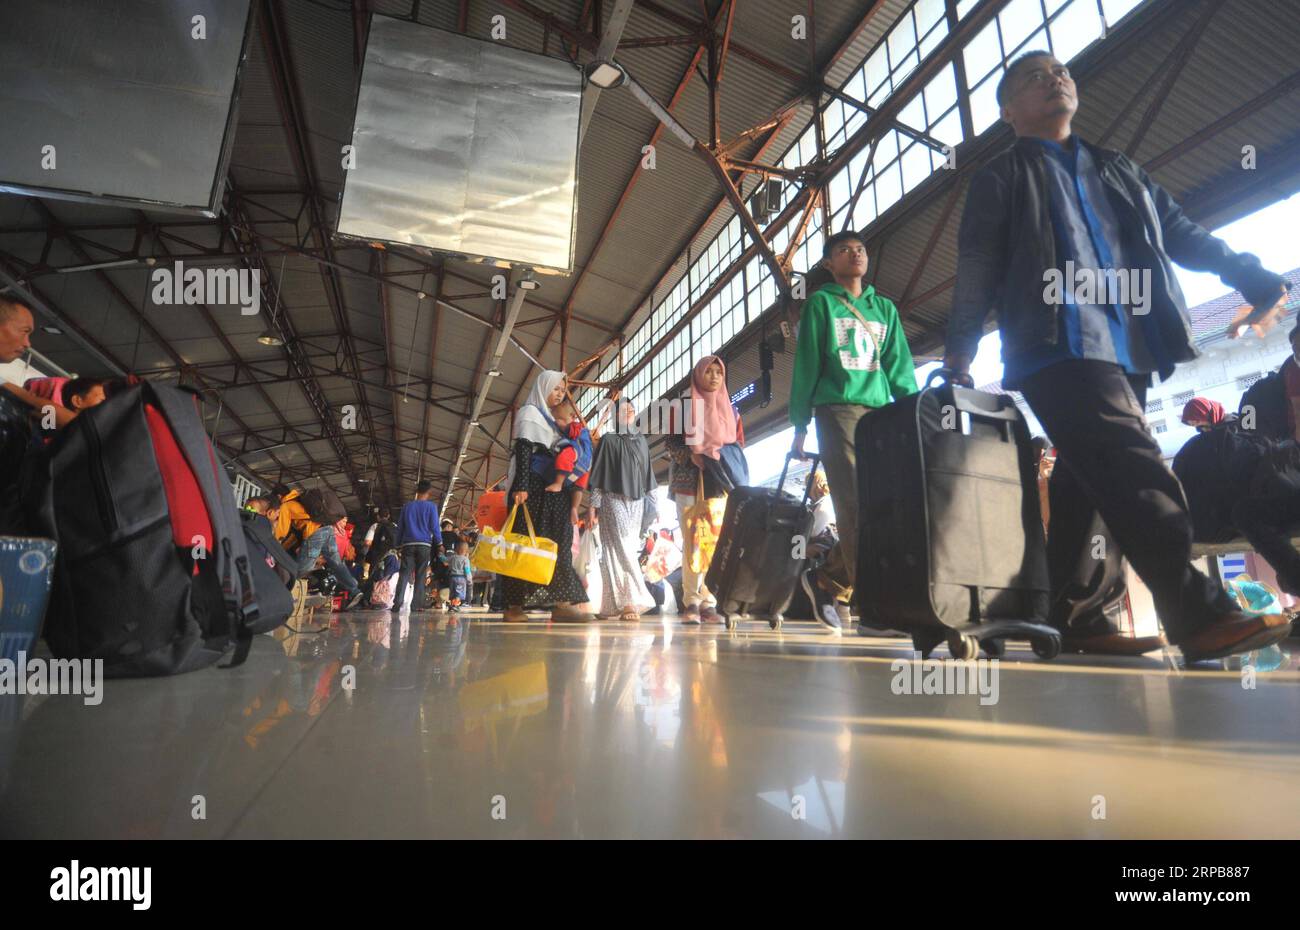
pixel 1233 633
pixel 1111 644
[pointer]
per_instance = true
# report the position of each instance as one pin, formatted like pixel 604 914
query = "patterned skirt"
pixel 550 512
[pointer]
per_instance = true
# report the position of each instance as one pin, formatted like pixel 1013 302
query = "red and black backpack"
pixel 153 573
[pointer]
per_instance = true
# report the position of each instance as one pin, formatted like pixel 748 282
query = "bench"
pixel 1232 545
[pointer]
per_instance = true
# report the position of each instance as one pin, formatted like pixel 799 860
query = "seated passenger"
pixel 294 527
pixel 1239 482
pixel 1275 398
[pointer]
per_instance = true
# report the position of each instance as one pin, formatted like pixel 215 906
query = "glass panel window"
pixel 840 189
pixel 857 86
pixel 983 53
pixel 930 41
pixel 916 165
pixel 889 187
pixel 940 94
pixel 1018 19
pixel 984 104
pixel 877 75
pixel 901 41
pixel 913 115
pixel 928 14
pixel 948 129
pixel 1077 27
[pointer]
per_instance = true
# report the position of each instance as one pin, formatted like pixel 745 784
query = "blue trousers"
pixel 322 542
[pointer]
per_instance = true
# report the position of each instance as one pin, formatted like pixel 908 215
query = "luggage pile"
pixel 157 573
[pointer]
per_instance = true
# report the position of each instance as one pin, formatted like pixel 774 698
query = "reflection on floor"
pixel 463 726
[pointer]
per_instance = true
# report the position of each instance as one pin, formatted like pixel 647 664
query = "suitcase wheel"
pixel 996 648
pixel 775 621
pixel 1046 647
pixel 963 646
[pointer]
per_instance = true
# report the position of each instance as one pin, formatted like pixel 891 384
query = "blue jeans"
pixel 460 588
pixel 322 542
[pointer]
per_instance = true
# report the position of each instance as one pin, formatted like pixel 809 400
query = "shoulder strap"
pixel 880 356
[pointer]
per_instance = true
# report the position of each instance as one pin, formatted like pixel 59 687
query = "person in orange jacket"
pixel 295 523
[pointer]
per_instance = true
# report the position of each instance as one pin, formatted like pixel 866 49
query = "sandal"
pixel 514 615
pixel 629 615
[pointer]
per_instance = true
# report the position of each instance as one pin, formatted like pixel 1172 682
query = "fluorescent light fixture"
pixel 605 74
pixel 98 266
pixel 52 330
pixel 494 373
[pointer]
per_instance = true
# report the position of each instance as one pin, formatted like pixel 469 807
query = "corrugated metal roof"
pixel 668 209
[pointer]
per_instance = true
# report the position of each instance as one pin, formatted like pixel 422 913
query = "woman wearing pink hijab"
pixel 712 424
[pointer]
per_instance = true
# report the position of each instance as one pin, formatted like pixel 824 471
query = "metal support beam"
pixel 494 368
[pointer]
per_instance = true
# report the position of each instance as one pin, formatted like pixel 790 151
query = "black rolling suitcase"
pixel 754 566
pixel 951 542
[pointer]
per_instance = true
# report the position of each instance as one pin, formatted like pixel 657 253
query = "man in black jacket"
pixel 1074 245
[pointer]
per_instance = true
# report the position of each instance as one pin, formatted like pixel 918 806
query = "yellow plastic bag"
pixel 703 525
pixel 528 558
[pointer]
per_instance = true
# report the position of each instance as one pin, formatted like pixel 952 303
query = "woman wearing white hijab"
pixel 535 432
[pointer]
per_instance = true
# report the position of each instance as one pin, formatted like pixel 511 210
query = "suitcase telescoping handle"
pixel 952 377
pixel 780 485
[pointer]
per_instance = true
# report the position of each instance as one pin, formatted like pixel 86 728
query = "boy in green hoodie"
pixel 852 357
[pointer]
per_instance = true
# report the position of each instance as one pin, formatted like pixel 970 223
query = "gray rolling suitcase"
pixel 754 567
pixel 951 543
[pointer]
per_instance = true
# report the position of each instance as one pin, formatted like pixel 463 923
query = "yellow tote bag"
pixel 703 525
pixel 528 558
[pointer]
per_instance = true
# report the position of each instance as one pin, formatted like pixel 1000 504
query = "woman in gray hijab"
pixel 621 479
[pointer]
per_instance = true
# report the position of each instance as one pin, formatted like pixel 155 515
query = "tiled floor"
pixel 476 728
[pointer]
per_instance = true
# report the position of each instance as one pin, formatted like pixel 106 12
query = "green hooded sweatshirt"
pixel 837 362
